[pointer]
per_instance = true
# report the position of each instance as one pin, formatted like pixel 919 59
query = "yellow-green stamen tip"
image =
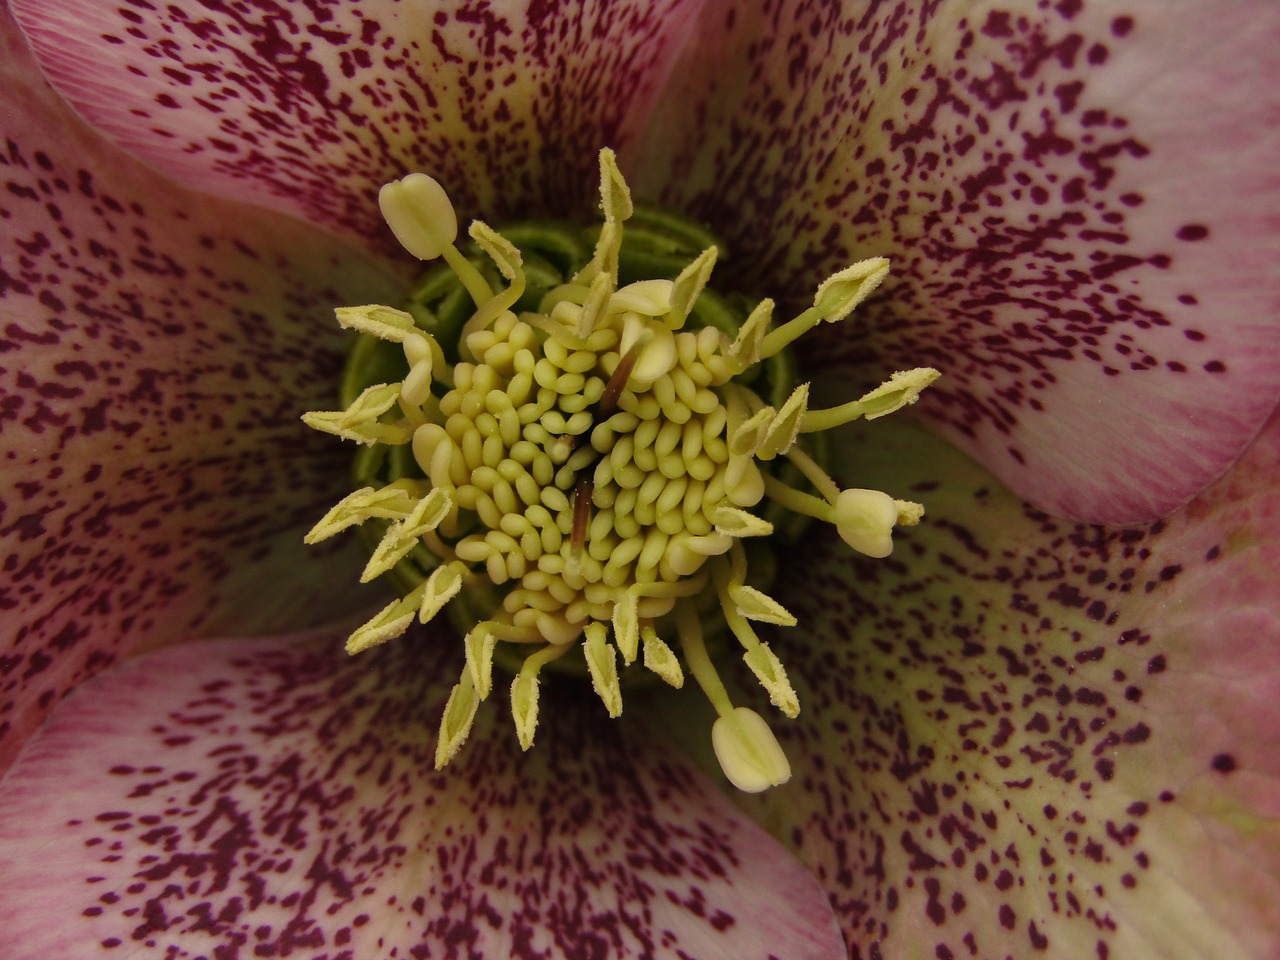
pixel 582 471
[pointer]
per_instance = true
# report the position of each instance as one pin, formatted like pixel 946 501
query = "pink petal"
pixel 309 107
pixel 242 798
pixel 156 351
pixel 1079 199
pixel 1022 737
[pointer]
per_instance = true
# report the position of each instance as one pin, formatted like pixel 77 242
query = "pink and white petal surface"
pixel 1023 737
pixel 249 798
pixel 156 351
pixel 310 107
pixel 1080 201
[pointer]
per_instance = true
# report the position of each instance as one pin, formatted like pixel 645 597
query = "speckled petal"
pixel 1023 737
pixel 1079 199
pixel 248 798
pixel 310 106
pixel 156 351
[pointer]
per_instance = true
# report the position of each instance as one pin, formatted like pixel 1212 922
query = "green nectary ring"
pixel 573 444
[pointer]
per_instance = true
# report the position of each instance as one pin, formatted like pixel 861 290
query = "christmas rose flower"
pixel 1020 734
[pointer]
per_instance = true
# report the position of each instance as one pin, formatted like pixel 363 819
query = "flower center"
pixel 574 463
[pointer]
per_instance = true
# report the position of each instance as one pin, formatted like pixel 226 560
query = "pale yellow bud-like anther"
pixel 749 753
pixel 655 345
pixel 865 519
pixel 419 213
pixel 649 298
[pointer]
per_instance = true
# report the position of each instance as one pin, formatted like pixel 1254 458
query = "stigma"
pixel 579 464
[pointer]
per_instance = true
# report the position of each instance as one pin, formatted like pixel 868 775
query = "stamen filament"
pixel 689 627
pixel 813 472
pixel 778 338
pixel 471 278
pixel 798 502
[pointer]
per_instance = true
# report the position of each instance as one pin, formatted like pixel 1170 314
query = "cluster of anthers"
pixel 587 471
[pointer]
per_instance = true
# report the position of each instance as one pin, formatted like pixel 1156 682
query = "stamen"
pixel 836 299
pixel 524 691
pixel 419 213
pixel 749 753
pixel 455 724
pixel 900 390
pixel 602 663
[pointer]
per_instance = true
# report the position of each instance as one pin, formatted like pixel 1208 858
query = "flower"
pixel 1021 734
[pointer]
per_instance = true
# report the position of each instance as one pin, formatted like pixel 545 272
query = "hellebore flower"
pixel 1020 734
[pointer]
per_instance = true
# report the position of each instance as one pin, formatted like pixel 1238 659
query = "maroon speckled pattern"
pixel 155 350
pixel 267 798
pixel 308 106
pixel 1078 198
pixel 1022 737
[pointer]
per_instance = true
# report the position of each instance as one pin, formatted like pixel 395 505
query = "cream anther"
pixel 651 298
pixel 865 519
pixel 749 753
pixel 656 357
pixel 419 213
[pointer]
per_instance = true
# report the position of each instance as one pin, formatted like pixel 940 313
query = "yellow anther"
pixel 769 671
pixel 385 323
pixel 688 286
pixel 392 502
pixel 387 624
pixel 900 390
pixel 455 724
pixel 441 587
pixel 757 605
pixel 615 195
pixel 659 658
pixel 745 349
pixel 733 522
pixel 602 664
pixel 479 644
